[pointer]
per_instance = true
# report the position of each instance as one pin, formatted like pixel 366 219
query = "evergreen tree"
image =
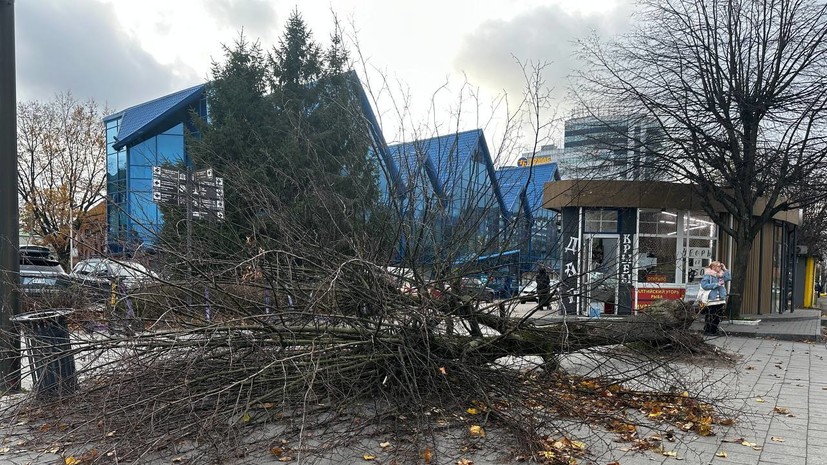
pixel 287 132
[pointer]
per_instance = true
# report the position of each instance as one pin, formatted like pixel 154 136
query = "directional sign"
pixel 206 193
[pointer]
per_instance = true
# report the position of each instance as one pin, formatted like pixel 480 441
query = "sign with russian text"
pixel 646 296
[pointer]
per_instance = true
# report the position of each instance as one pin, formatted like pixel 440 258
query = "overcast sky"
pixel 124 52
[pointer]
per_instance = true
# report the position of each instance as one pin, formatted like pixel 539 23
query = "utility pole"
pixel 9 216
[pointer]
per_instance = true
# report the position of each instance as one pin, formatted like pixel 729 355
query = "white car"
pixel 100 273
pixel 529 293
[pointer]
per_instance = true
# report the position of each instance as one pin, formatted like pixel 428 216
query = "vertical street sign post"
pixel 200 192
pixel 9 240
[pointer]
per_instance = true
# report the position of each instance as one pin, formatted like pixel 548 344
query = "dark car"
pixel 40 272
pixel 475 288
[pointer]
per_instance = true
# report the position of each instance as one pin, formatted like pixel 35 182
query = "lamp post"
pixel 9 215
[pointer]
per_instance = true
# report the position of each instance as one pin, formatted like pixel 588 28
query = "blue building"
pixel 138 138
pixel 536 234
pixel 152 134
pixel 455 206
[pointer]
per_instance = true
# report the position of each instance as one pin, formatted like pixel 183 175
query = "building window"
pixel 700 244
pixel 601 221
pixel 657 245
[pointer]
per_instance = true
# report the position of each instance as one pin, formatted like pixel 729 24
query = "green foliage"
pixel 286 131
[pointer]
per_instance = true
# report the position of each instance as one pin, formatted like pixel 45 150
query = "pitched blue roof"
pixel 444 158
pixel 413 163
pixel 395 177
pixel 526 183
pixel 141 118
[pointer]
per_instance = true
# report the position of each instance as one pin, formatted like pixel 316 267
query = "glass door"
pixel 600 266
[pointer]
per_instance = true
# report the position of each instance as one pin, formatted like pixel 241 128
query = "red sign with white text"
pixel 647 295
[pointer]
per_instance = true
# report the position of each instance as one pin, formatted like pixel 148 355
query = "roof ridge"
pixel 148 102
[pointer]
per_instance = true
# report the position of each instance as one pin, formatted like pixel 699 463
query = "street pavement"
pixel 778 385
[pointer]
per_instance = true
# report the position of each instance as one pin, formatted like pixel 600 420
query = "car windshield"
pixel 54 268
pixel 127 270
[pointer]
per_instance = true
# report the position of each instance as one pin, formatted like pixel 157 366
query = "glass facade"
pixel 133 218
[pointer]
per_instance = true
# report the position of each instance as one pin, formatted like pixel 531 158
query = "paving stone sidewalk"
pixel 780 390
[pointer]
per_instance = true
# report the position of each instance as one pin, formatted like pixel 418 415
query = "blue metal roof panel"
pixel 138 119
pixel 517 181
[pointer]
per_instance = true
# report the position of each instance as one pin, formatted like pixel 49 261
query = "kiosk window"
pixel 601 221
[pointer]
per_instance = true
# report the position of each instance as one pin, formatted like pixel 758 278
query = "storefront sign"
pixel 646 296
pixel 627 260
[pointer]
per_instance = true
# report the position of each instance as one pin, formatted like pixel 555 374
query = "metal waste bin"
pixel 49 351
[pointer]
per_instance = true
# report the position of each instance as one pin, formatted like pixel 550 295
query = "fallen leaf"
pixel 472 411
pixel 178 460
pixel 547 454
pixel 578 445
pixel 748 444
pixel 267 405
pixel 71 460
pixel 368 457
pixel 781 410
pixel 757 447
pixel 53 450
pixel 760 400
pixel 285 459
pixel 3 450
pixel 90 456
pixel 464 462
pixel 476 431
pixel 277 451
pixel 443 370
pixel 613 463
pixel 245 418
pixel 427 455
pixel 670 453
pixel 384 445
pixel 720 454
pixel 110 434
pixel 727 422
pixel 777 439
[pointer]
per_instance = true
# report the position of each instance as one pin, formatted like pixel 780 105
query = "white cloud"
pixel 80 47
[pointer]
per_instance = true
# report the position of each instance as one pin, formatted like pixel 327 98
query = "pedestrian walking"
pixel 543 288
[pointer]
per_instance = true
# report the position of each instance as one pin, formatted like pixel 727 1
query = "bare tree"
pixel 61 158
pixel 738 90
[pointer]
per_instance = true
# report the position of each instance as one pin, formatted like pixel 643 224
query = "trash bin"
pixel 49 351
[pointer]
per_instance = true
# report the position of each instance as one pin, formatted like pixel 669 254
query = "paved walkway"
pixel 800 325
pixel 780 390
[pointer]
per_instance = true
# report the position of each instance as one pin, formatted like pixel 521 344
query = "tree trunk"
pixel 743 248
pixel 664 322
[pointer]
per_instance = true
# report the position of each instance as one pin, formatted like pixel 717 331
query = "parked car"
pixel 501 290
pixel 100 273
pixel 477 290
pixel 529 293
pixel 40 272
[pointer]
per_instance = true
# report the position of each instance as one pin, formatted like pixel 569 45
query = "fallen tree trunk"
pixel 665 322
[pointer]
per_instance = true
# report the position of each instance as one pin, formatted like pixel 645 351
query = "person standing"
pixel 714 281
pixel 715 278
pixel 543 288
